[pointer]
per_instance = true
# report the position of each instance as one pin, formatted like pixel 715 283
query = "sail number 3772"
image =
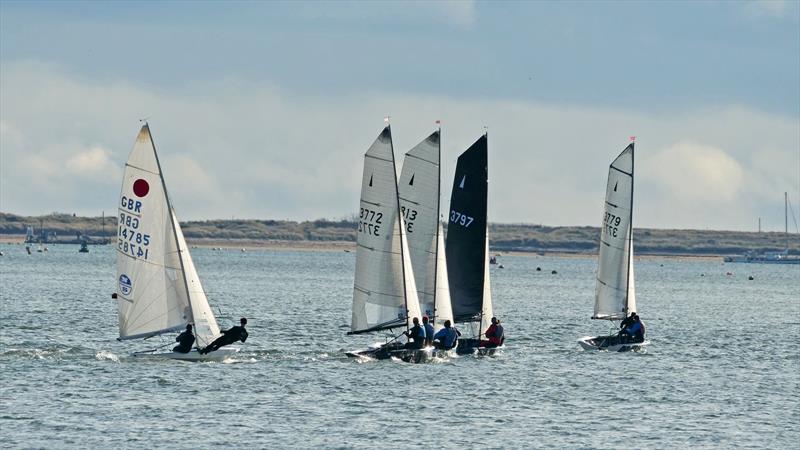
pixel 460 218
pixel 370 222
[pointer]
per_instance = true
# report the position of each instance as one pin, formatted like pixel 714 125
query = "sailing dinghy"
pixel 158 288
pixel 384 291
pixel 419 190
pixel 615 293
pixel 467 245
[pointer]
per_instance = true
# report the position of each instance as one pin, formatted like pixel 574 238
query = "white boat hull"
pixel 599 343
pixel 193 356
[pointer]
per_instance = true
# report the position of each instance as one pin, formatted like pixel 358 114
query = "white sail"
pixel 151 292
pixel 205 324
pixel 487 312
pixel 631 283
pixel 444 307
pixel 384 278
pixel 419 205
pixel 614 294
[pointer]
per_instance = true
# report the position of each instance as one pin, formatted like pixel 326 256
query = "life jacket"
pixel 451 337
pixel 495 334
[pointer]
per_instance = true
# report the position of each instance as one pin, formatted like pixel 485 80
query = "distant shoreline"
pixel 340 235
pixel 346 246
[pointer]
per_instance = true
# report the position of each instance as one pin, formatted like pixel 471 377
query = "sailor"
pixel 184 340
pixel 634 331
pixel 229 336
pixel 495 333
pixel 447 337
pixel 416 336
pixel 627 321
pixel 428 331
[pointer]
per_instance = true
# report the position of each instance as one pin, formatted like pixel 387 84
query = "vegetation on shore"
pixel 503 237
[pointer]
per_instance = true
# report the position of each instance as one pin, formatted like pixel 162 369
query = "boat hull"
pixel 611 343
pixel 396 351
pixel 193 356
pixel 473 347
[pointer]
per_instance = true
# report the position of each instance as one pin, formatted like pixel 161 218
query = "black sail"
pixel 465 246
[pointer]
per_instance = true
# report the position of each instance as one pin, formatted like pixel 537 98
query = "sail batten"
pixel 615 292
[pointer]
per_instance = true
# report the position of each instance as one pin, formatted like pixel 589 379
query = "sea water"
pixel 722 369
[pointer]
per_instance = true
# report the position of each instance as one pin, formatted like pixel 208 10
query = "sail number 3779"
pixel 610 223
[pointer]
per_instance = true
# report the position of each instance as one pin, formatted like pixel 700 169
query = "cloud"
pixel 459 12
pixel 255 150
pixel 92 162
pixel 767 8
pixel 695 172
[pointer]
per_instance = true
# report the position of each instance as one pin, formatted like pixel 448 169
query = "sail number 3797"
pixel 370 222
pixel 460 218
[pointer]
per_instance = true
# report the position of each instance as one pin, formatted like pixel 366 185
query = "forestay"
pixel 467 235
pixel 151 291
pixel 384 293
pixel 419 206
pixel 615 293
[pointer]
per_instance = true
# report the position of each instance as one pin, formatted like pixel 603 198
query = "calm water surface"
pixel 723 368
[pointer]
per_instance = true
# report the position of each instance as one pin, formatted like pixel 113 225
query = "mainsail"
pixel 467 244
pixel 615 294
pixel 384 292
pixel 158 288
pixel 419 188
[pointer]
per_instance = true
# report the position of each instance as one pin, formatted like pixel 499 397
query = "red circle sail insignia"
pixel 140 187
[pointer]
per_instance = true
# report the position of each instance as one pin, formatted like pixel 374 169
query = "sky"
pixel 264 110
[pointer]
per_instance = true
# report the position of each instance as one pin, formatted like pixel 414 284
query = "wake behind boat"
pixel 615 293
pixel 158 289
pixel 384 291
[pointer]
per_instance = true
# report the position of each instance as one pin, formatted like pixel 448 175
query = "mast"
pixel 399 220
pixel 786 217
pixel 171 219
pixel 436 236
pixel 630 235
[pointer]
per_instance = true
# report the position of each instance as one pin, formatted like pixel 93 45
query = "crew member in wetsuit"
pixel 627 321
pixel 417 333
pixel 495 333
pixel 635 331
pixel 229 336
pixel 447 337
pixel 428 331
pixel 184 340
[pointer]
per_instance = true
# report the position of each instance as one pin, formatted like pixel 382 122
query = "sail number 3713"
pixel 460 218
